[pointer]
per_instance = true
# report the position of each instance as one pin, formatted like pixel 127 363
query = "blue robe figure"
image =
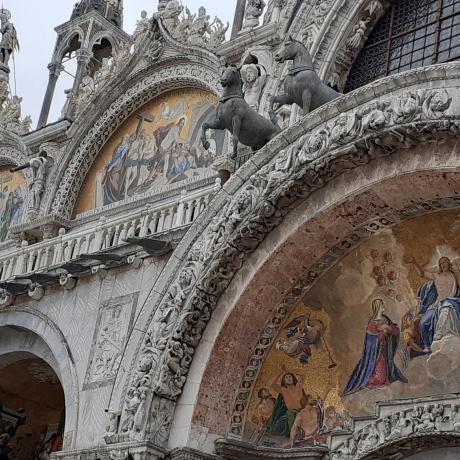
pixel 376 367
pixel 431 308
pixel 114 181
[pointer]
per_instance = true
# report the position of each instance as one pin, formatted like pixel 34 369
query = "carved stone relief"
pixel 114 323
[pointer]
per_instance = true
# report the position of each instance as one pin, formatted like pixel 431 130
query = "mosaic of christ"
pixel 158 146
pixel 383 323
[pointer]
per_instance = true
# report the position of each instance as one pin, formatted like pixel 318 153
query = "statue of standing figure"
pixel 9 43
pixel 254 10
pixel 40 166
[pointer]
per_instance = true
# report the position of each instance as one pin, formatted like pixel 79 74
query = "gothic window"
pixel 411 34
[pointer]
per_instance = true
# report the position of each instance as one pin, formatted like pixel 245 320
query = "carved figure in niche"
pixel 253 12
pixel 426 420
pixel 455 418
pixel 254 78
pixel 143 26
pixel 303 333
pixel 217 36
pixel 302 85
pixel 400 425
pixel 200 27
pixel 9 43
pixel 264 408
pixel 372 437
pixel 103 75
pixel 359 32
pixel 377 368
pixel 40 166
pixel 436 103
pixel 234 114
pixel 439 301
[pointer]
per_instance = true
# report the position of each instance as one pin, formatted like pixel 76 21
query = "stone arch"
pixel 250 312
pixel 65 42
pixel 250 206
pixel 87 143
pixel 31 332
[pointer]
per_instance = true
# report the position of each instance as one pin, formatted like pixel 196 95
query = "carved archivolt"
pixel 285 172
pixel 71 175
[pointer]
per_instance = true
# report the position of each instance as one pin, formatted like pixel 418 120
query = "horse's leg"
pixel 282 99
pixel 306 101
pixel 214 124
pixel 236 127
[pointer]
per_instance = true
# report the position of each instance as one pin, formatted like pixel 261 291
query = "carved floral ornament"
pixel 354 138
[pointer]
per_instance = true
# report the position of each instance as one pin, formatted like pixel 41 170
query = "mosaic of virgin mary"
pixel 377 368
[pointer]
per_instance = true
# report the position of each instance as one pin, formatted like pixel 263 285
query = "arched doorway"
pixel 32 407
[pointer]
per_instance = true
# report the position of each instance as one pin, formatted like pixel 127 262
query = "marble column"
pixel 239 17
pixel 83 58
pixel 55 69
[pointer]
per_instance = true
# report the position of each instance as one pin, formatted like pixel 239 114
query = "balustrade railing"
pixel 106 234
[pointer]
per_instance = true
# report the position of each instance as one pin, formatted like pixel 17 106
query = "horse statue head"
pixel 292 50
pixel 231 77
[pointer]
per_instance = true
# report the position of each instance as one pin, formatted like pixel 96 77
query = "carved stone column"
pixel 55 69
pixel 239 17
pixel 83 58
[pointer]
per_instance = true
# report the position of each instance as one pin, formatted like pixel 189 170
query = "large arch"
pixel 251 205
pixel 28 332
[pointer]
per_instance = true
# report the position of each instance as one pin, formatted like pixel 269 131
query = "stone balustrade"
pixel 105 234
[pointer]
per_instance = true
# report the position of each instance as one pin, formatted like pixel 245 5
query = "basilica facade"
pixel 237 241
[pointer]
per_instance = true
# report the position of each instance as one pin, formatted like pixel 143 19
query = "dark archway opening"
pixel 32 408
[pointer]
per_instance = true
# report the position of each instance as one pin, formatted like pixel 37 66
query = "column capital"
pixel 83 56
pixel 55 68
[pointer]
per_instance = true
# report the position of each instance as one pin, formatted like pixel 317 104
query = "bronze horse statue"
pixel 302 84
pixel 234 114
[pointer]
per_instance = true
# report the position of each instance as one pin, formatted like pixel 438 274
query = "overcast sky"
pixel 35 21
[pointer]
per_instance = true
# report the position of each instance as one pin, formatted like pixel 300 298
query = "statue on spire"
pixel 9 43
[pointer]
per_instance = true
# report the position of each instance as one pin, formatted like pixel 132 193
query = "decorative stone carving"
pixel 422 420
pixel 193 29
pixel 6 298
pixel 254 77
pixel 113 324
pixel 235 115
pixel 241 225
pixel 252 14
pixel 10 115
pixel 363 26
pixel 143 26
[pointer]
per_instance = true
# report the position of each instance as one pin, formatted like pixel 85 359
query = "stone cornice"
pixel 370 123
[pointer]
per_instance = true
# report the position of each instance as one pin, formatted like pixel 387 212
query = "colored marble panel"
pixel 157 146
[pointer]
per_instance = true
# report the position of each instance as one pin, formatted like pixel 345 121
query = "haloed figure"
pixel 376 368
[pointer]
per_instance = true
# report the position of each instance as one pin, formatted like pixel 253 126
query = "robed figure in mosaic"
pixel 377 368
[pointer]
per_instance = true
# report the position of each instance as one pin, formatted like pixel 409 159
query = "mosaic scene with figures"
pixel 13 199
pixel 158 146
pixel 382 324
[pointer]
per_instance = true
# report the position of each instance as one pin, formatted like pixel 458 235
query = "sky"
pixel 35 21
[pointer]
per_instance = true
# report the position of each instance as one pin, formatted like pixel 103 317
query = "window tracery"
pixel 411 34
